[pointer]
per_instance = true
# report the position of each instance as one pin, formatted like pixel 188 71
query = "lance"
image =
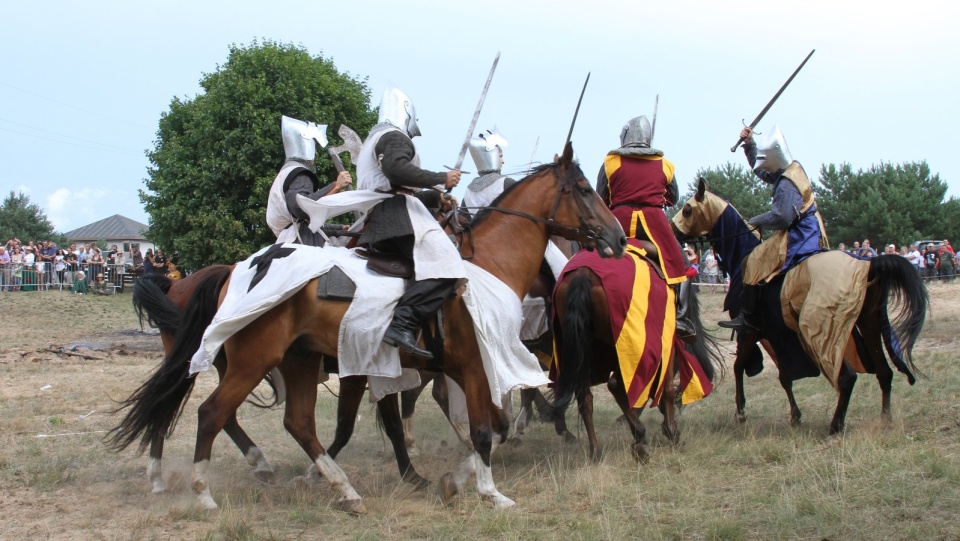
pixel 476 116
pixel 653 127
pixel 577 111
pixel 772 101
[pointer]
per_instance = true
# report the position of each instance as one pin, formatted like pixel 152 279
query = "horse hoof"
pixel 741 417
pixel 795 422
pixel 418 482
pixel 596 457
pixel 158 487
pixel 447 488
pixel 514 439
pixel 205 500
pixel 413 452
pixel 569 438
pixel 500 501
pixel 641 453
pixel 353 507
pixel 265 476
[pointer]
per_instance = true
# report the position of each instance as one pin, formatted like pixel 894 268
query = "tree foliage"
pixel 25 220
pixel 886 203
pixel 216 155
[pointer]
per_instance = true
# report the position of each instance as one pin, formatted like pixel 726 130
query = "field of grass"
pixel 759 480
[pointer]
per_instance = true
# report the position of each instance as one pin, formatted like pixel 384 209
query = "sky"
pixel 83 85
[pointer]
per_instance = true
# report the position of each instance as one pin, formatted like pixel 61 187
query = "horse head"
pixel 700 213
pixel 576 212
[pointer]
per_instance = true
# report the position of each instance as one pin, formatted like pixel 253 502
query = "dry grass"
pixel 761 480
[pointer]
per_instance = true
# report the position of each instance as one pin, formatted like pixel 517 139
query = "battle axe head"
pixel 351 144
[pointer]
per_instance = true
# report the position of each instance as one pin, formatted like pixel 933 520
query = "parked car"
pixel 922 244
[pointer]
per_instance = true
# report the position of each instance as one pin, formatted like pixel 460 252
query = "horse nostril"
pixel 623 241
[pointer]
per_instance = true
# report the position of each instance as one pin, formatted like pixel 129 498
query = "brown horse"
pixel 296 332
pixel 587 344
pixel 792 324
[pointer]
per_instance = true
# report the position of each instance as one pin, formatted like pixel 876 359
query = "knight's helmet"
pixel 486 149
pixel 300 138
pixel 397 109
pixel 637 132
pixel 772 152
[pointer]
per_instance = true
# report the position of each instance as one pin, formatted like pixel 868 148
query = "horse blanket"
pixel 643 320
pixel 275 273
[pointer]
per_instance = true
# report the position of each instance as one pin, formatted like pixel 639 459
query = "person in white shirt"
pixel 914 257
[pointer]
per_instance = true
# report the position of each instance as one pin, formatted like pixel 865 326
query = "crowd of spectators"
pixel 934 261
pixel 83 269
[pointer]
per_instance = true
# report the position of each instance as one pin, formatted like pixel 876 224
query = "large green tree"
pixel 26 221
pixel 886 203
pixel 216 155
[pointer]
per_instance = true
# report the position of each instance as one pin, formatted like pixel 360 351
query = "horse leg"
pixel 154 469
pixel 525 414
pixel 389 407
pixel 254 456
pixel 300 421
pixel 739 368
pixel 348 404
pixel 794 408
pixel 845 383
pixel 668 404
pixel 585 405
pixel 408 405
pixel 453 403
pixel 640 449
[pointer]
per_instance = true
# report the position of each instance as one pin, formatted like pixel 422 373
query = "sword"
pixel 577 111
pixel 476 116
pixel 653 127
pixel 772 101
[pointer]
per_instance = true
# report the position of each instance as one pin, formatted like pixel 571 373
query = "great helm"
pixel 300 138
pixel 637 132
pixel 772 152
pixel 397 109
pixel 485 149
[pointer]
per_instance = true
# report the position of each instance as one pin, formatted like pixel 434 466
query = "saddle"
pixel 387 264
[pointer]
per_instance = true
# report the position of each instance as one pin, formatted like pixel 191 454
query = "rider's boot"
pixel 747 320
pixel 420 301
pixel 685 328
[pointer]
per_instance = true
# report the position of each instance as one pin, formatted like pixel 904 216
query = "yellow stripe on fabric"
pixel 610 165
pixel 633 335
pixel 666 341
pixel 694 390
pixel 651 238
pixel 668 169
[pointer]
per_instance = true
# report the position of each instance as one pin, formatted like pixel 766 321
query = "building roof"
pixel 115 227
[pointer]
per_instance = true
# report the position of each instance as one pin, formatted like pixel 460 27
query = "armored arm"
pixel 397 152
pixel 672 193
pixel 603 185
pixel 785 208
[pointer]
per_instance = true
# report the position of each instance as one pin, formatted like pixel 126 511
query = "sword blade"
pixel 577 111
pixel 774 99
pixel 476 115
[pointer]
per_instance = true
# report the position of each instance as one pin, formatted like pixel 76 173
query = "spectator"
pixel 16 266
pixel 711 270
pixel 102 287
pixel 95 262
pixel 148 262
pixel 842 247
pixel 866 250
pixel 913 255
pixel 856 248
pixel 72 265
pixel 6 276
pixel 29 279
pixel 80 286
pixel 159 262
pixel 946 261
pixel 930 261
pixel 60 265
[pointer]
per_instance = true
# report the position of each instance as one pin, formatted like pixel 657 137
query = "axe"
pixel 351 144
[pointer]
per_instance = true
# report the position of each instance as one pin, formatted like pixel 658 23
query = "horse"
pixel 296 332
pixel 590 344
pixel 856 295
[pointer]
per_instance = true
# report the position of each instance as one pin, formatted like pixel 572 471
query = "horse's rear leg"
pixel 525 414
pixel 668 406
pixel 640 449
pixel 154 466
pixel 408 406
pixel 585 405
pixel 389 408
pixel 300 421
pixel 261 468
pixel 787 385
pixel 348 404
pixel 845 383
pixel 739 368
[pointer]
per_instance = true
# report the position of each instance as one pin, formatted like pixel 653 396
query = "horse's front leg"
pixel 640 449
pixel 845 383
pixel 668 403
pixel 794 408
pixel 739 368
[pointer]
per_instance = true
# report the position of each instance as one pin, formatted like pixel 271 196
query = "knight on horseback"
pixel 637 182
pixel 298 176
pixel 486 149
pixel 793 214
pixel 401 225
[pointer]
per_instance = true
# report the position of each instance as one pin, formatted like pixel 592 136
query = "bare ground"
pixel 65 360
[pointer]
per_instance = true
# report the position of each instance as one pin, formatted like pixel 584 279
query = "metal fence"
pixel 47 276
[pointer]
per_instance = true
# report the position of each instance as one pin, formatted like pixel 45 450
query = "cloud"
pixel 69 209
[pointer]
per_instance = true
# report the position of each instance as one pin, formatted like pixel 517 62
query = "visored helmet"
pixel 397 108
pixel 486 150
pixel 300 138
pixel 772 152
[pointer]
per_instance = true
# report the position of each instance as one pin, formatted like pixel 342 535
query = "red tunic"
pixel 637 196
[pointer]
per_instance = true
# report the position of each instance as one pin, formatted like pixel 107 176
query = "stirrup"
pixel 686 332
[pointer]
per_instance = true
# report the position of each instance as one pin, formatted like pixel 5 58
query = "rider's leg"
pixel 685 328
pixel 420 301
pixel 749 303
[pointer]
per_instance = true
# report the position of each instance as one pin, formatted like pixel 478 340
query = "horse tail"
pixel 899 281
pixel 573 370
pixel 150 302
pixel 155 406
pixel 705 350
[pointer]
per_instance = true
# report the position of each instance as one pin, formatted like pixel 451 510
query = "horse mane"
pixel 573 174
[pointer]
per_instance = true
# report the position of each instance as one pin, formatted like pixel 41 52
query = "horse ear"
pixel 701 189
pixel 556 158
pixel 567 157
